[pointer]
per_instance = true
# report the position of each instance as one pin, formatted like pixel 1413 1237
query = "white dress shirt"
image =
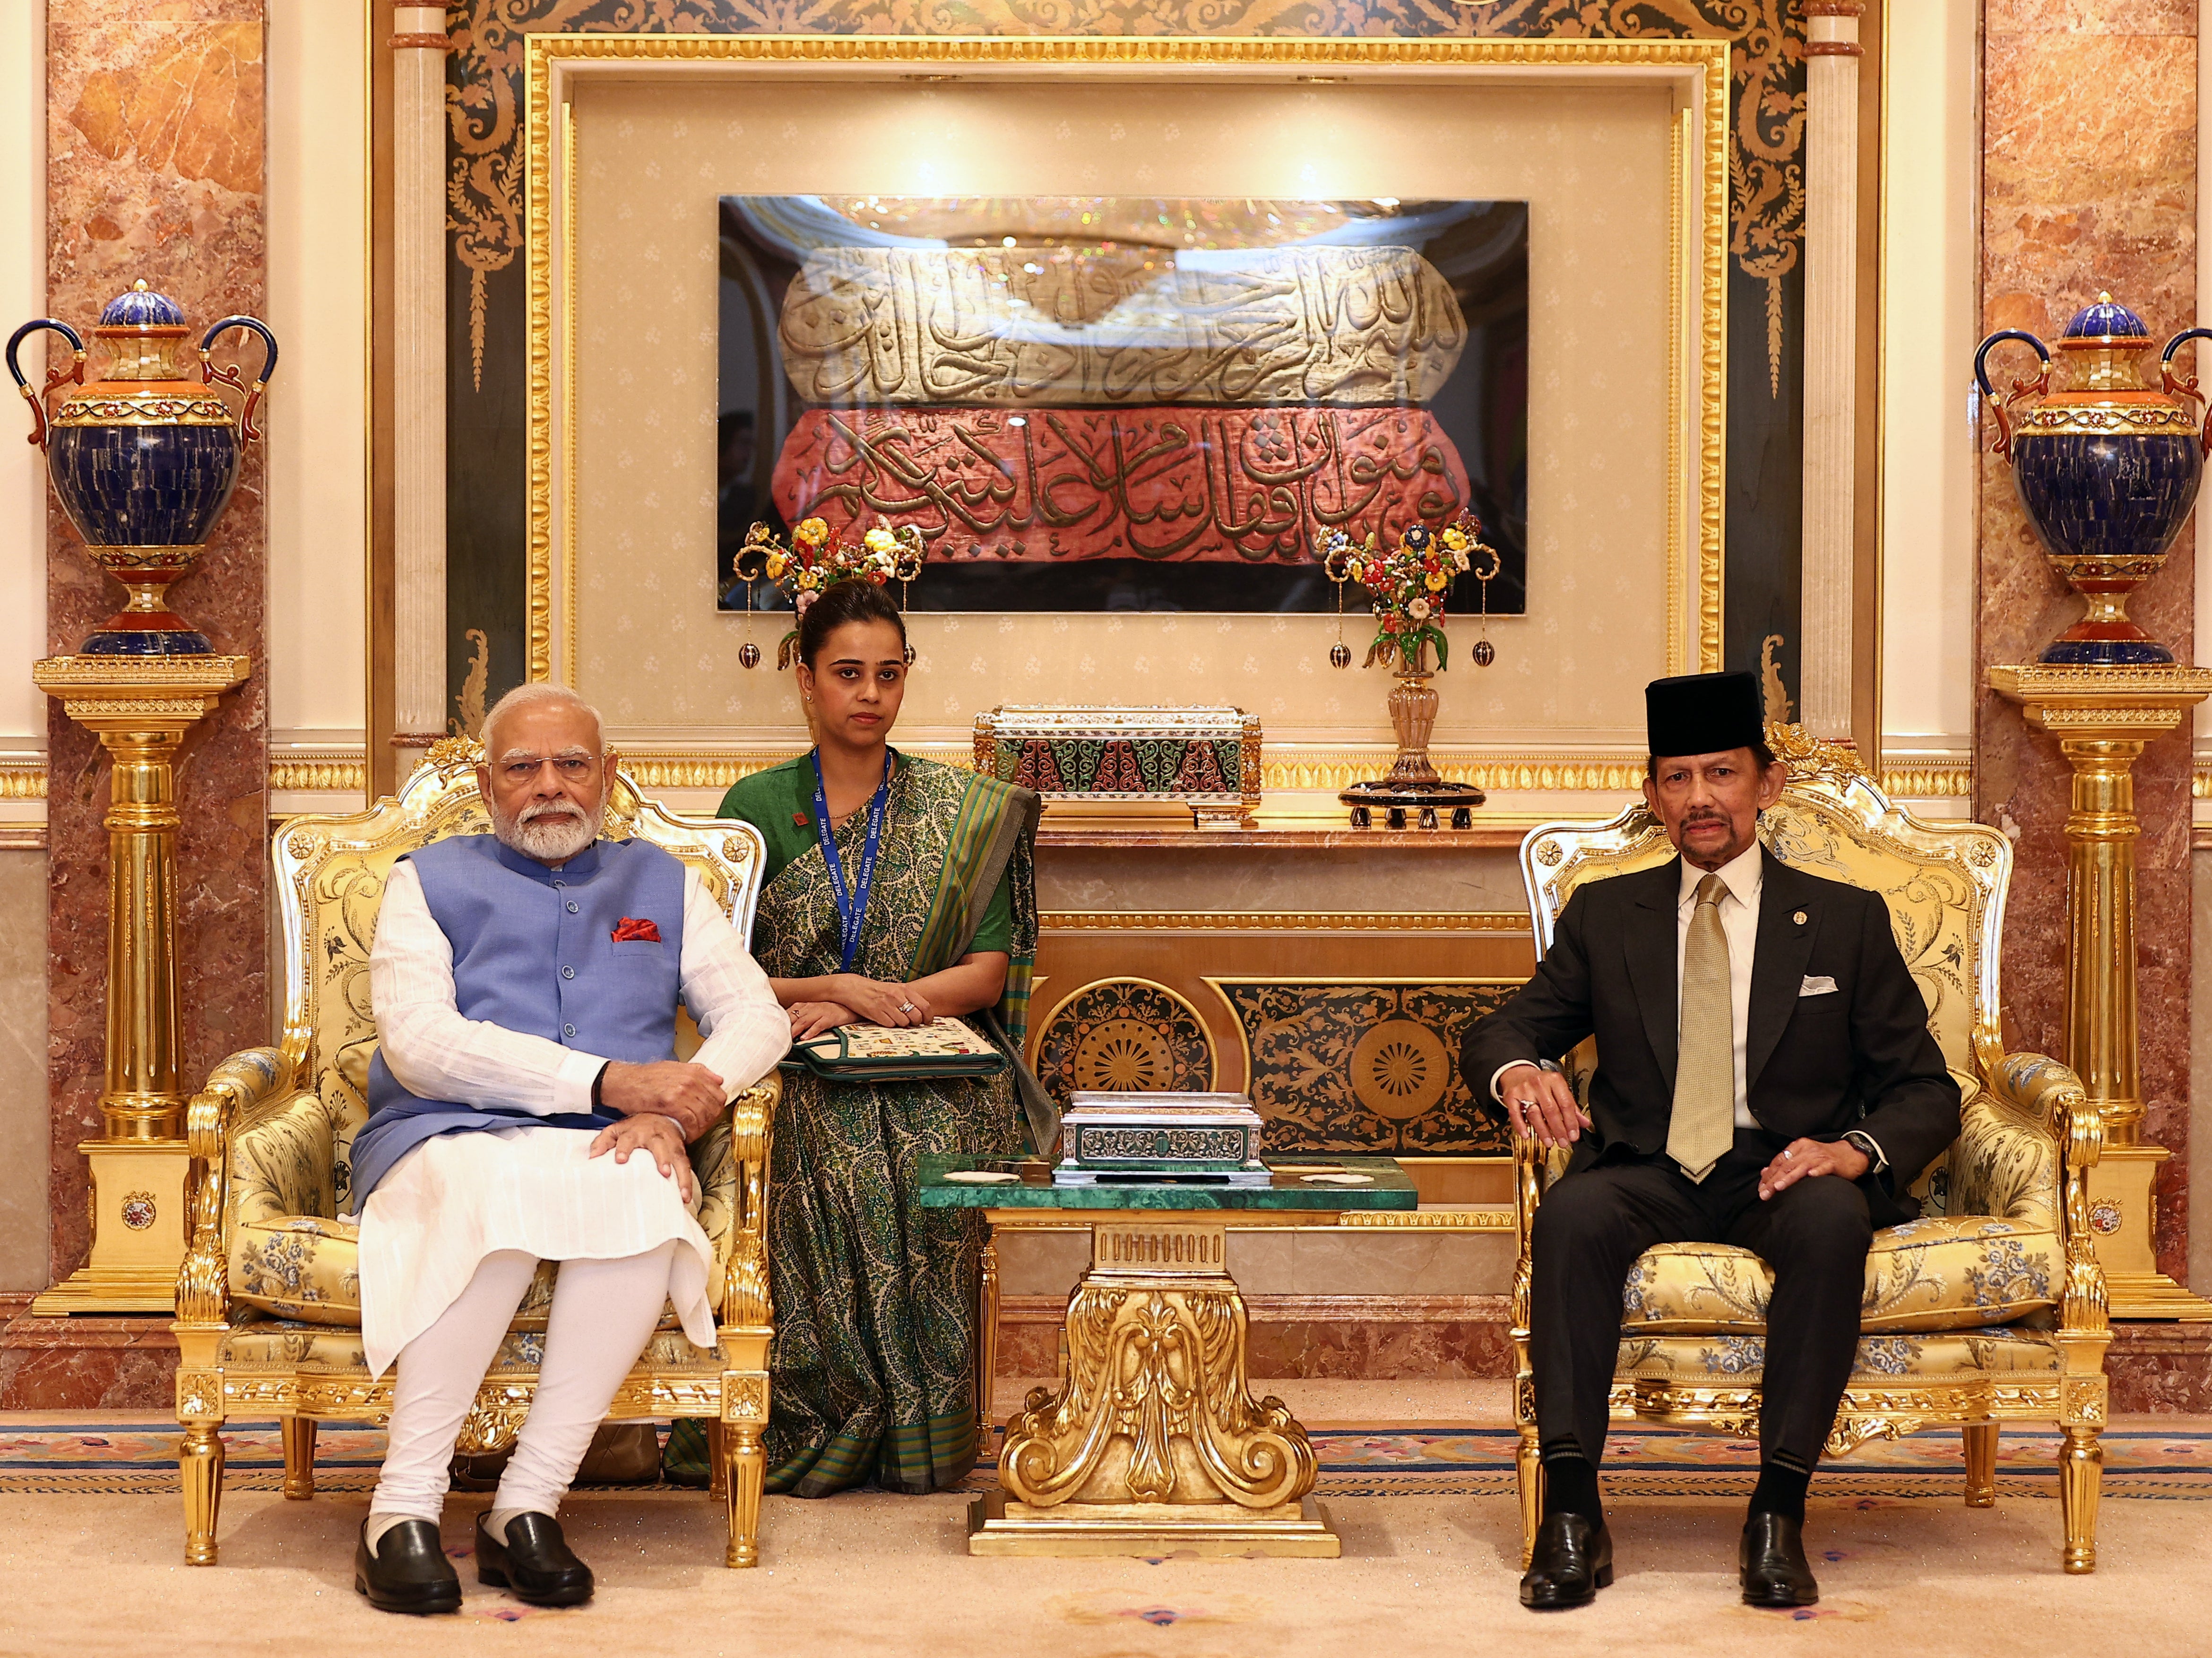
pixel 436 1054
pixel 1744 874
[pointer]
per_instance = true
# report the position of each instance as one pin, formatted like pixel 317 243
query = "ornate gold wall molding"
pixel 1319 920
pixel 322 774
pixel 22 777
pixel 654 767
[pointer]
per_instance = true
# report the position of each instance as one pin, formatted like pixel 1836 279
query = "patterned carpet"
pixel 1380 1460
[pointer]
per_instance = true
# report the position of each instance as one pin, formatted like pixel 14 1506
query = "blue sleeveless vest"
pixel 534 953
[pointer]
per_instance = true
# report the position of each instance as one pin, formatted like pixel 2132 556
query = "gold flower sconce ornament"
pixel 816 558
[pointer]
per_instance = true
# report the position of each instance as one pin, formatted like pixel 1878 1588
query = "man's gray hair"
pixel 533 695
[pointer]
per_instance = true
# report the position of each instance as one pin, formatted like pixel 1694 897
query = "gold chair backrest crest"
pixel 331 871
pixel 1945 883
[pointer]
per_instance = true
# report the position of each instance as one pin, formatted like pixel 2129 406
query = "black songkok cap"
pixel 1704 714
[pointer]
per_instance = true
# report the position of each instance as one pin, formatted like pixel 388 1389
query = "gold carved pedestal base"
pixel 1154 1444
pixel 2123 1215
pixel 138 1232
pixel 140 708
pixel 997 1525
pixel 2102 719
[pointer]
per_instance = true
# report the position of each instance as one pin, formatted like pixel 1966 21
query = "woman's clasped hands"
pixel 854 1000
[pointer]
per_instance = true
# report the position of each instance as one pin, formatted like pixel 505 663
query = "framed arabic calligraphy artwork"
pixel 1109 403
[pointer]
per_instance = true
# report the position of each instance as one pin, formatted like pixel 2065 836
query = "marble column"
pixel 2089 178
pixel 155 170
pixel 1828 604
pixel 418 378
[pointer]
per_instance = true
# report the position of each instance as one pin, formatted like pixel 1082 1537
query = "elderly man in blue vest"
pixel 526 1105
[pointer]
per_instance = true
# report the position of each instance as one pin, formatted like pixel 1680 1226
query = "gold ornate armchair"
pixel 268 1302
pixel 1991 1308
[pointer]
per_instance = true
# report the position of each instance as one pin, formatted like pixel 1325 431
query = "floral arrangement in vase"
pixel 1408 584
pixel 818 556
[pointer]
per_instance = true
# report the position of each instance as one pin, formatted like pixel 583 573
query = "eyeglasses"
pixel 571 767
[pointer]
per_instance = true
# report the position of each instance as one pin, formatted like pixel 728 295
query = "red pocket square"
pixel 633 929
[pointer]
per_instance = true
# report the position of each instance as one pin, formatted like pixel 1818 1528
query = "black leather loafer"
pixel 533 1560
pixel 1572 1561
pixel 1771 1559
pixel 409 1572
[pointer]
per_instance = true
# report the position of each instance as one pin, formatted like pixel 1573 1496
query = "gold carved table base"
pixel 1153 1444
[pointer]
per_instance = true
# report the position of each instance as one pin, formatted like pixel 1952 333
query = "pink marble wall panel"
pixel 2089 181
pixel 154 125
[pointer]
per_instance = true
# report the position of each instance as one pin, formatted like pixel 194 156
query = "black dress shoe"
pixel 533 1560
pixel 409 1572
pixel 1572 1561
pixel 1771 1559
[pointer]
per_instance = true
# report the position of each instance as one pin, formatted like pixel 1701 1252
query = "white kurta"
pixel 458 1197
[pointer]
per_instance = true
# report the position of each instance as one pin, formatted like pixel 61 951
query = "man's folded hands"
pixel 691 1095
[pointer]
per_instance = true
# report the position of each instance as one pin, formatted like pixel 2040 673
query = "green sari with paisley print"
pixel 873 1371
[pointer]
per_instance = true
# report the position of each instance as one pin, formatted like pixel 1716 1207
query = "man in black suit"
pixel 1765 1078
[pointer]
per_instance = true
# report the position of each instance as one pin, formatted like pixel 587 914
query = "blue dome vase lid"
pixel 139 309
pixel 2106 323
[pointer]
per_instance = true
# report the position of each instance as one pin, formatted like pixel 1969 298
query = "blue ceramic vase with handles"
pixel 2107 470
pixel 142 459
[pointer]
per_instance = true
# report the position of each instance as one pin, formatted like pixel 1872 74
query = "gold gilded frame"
pixel 1697 70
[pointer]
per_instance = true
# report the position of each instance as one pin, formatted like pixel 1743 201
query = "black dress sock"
pixel 1571 1487
pixel 1781 1489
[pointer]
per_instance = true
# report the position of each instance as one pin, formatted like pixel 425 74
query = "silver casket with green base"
pixel 1107 1138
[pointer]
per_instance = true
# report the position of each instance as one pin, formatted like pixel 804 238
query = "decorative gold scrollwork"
pixel 493 1422
pixel 1156 1368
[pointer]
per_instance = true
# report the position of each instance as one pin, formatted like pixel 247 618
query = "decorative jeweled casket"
pixel 1099 762
pixel 1105 1138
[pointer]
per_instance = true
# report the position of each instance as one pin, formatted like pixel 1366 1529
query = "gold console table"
pixel 2102 717
pixel 1153 1443
pixel 140 708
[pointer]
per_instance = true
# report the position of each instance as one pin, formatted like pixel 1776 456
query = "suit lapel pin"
pixel 1799 918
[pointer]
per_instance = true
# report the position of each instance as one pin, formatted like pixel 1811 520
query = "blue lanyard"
pixel 852 906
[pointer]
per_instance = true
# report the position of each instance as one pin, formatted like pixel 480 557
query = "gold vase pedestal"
pixel 140 708
pixel 2102 717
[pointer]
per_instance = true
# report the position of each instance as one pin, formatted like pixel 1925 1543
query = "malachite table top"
pixel 1391 1188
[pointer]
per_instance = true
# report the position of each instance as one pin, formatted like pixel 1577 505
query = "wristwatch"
pixel 1865 1142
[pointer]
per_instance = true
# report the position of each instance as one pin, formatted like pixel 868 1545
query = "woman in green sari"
pixel 918 902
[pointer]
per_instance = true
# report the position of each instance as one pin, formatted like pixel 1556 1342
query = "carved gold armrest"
pixel 242 1085
pixel 2050 1095
pixel 746 1300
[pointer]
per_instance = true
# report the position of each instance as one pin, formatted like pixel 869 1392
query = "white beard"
pixel 552 832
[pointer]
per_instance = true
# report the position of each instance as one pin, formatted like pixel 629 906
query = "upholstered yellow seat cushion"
pixel 307 1269
pixel 316 1346
pixel 2007 1350
pixel 1935 1274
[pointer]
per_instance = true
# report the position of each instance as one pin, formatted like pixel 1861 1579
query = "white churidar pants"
pixel 603 1312
pixel 449 1242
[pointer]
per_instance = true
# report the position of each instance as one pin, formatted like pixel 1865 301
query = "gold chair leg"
pixel 1528 1469
pixel 200 1467
pixel 299 1457
pixel 2080 1477
pixel 748 1469
pixel 1981 1439
pixel 718 1466
pixel 987 1337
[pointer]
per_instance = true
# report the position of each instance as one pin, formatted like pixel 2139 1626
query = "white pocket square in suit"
pixel 1817 984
